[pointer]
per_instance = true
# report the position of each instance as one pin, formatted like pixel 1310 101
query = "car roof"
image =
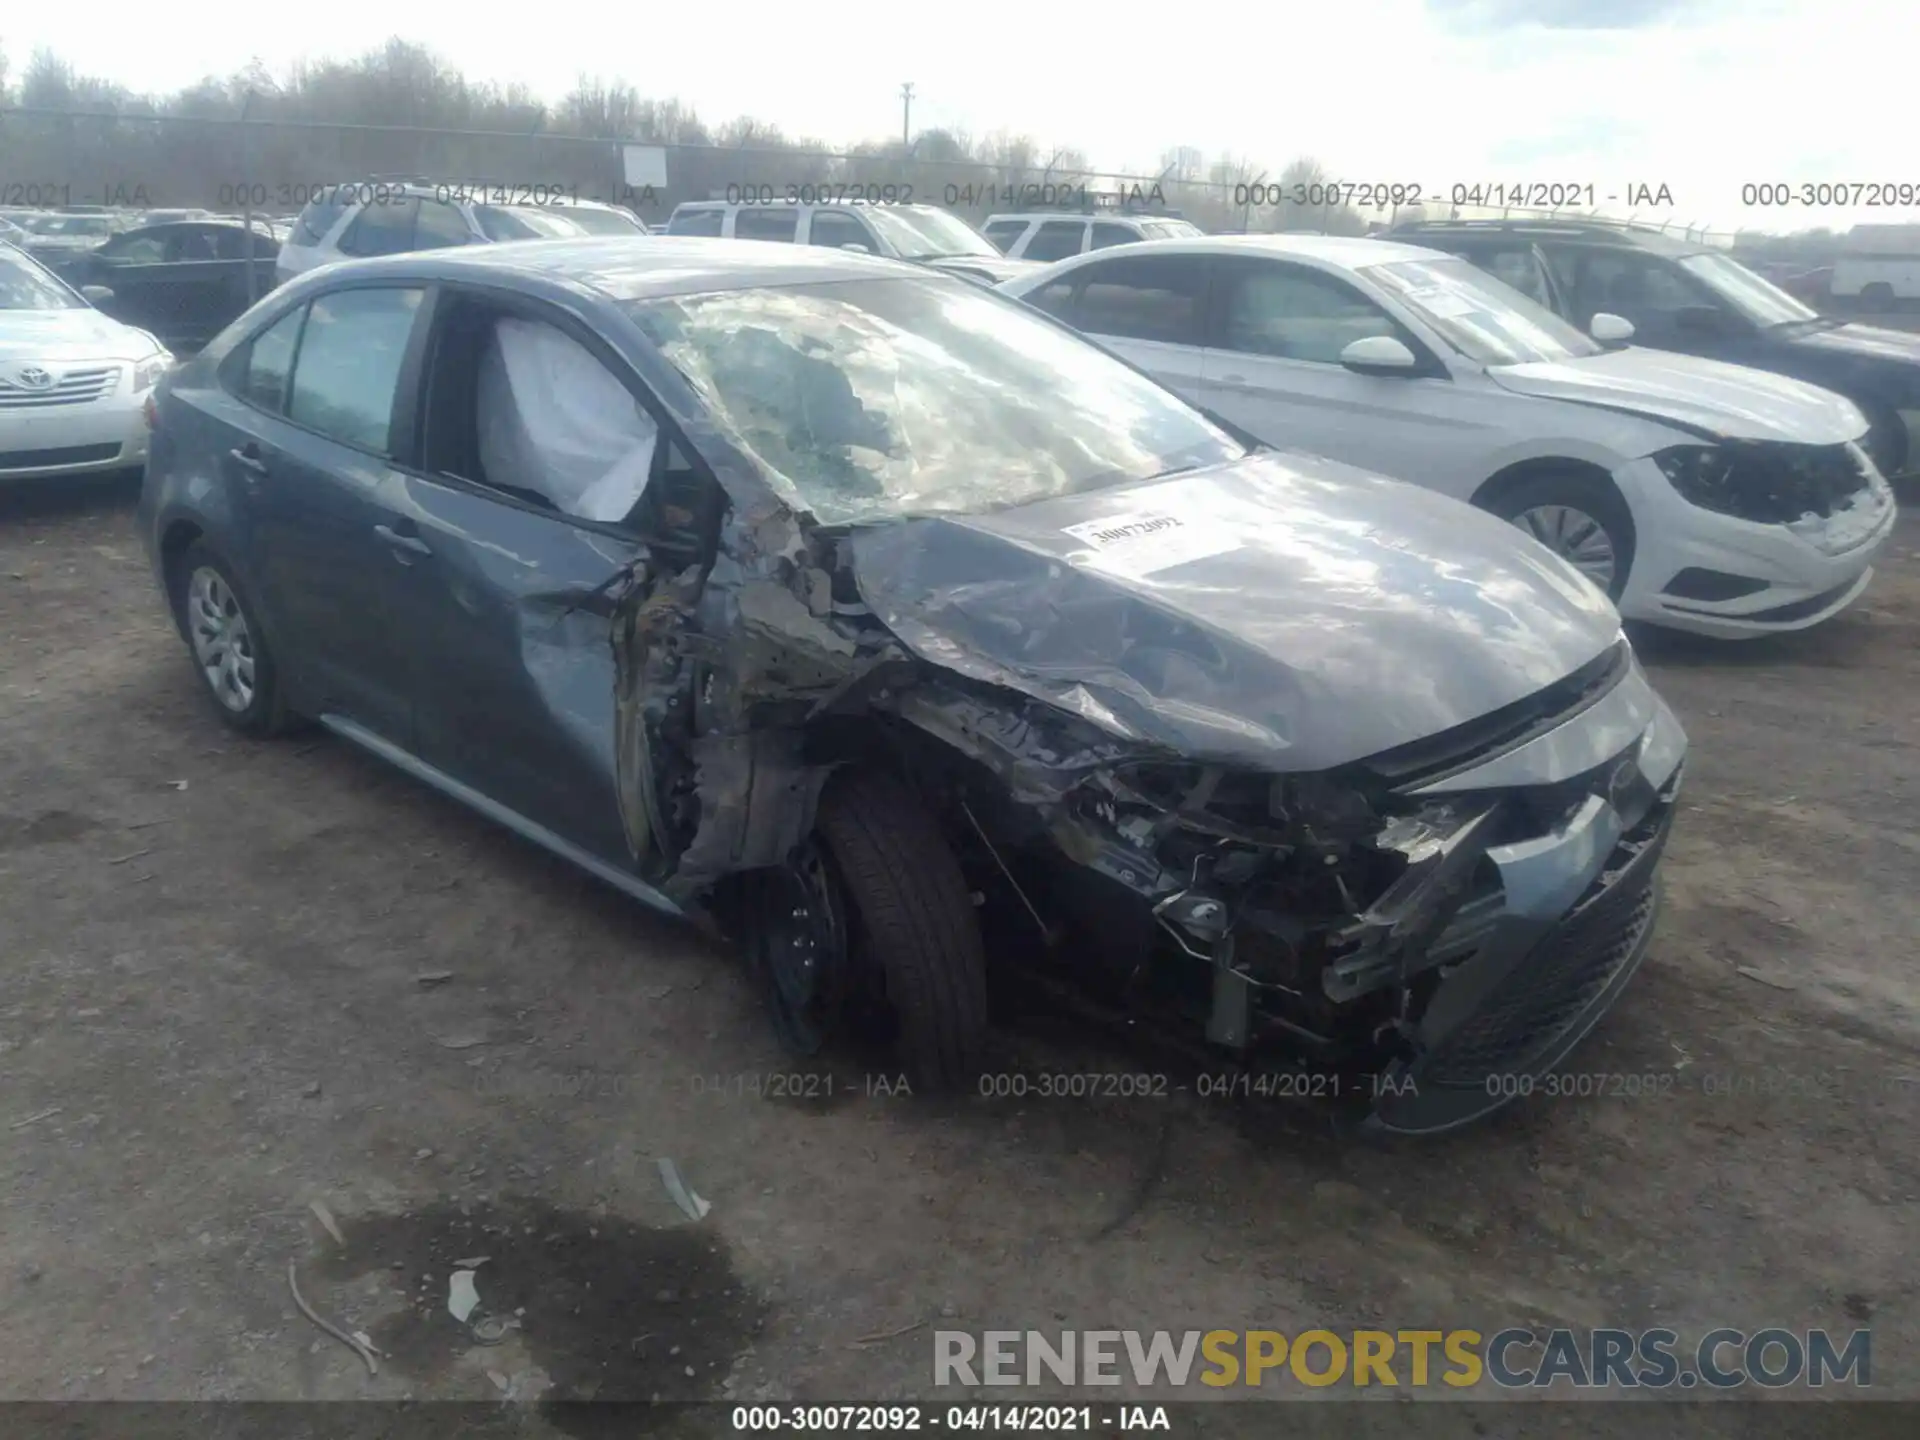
pixel 1118 217
pixel 640 267
pixel 780 200
pixel 1619 237
pixel 1348 252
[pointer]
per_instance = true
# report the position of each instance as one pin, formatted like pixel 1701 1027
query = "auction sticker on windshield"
pixel 1144 541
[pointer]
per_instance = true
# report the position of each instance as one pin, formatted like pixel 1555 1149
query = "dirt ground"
pixel 240 978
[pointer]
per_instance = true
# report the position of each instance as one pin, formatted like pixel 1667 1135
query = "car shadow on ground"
pixel 67 494
pixel 1841 643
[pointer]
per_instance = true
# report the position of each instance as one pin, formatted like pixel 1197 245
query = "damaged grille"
pixel 1549 990
pixel 1477 741
pixel 1778 484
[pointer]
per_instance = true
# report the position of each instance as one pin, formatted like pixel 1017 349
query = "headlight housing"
pixel 147 372
pixel 1703 475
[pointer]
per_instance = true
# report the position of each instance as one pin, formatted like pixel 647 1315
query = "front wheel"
pixel 911 923
pixel 1581 519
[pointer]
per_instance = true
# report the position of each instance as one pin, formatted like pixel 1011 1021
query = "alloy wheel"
pixel 222 643
pixel 1576 537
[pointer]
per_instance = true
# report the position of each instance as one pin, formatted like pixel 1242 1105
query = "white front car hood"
pixel 82 333
pixel 1728 401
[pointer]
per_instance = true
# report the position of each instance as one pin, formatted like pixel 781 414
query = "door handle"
pixel 249 459
pixel 412 544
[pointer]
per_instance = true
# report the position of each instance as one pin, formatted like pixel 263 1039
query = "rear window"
pixel 695 222
pixel 316 220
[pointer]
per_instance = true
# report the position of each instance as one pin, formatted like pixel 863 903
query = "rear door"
pixel 1148 308
pixel 317 400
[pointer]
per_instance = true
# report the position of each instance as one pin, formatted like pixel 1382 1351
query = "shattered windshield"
pixel 878 399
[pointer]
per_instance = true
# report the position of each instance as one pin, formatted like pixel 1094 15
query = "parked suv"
pixel 354 220
pixel 1686 295
pixel 923 234
pixel 1049 235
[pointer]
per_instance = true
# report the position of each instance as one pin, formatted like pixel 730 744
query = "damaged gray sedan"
pixel 887 624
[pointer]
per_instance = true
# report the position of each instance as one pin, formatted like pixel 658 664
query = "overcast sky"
pixel 1699 95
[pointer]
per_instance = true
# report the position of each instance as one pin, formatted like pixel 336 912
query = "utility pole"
pixel 906 115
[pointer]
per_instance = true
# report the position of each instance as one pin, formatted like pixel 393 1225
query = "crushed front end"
pixel 1423 931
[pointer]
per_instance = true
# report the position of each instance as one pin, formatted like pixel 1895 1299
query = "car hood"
pixel 1706 396
pixel 997 268
pixel 82 333
pixel 1862 342
pixel 1283 612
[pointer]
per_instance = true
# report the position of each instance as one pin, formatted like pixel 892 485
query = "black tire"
pixel 1588 494
pixel 1886 439
pixel 265 711
pixel 1877 297
pixel 912 917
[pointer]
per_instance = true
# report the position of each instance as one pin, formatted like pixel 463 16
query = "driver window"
pixel 834 228
pixel 1291 313
pixel 520 406
pixel 136 249
pixel 1638 287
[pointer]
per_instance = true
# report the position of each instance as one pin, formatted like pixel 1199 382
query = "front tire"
pixel 911 921
pixel 229 651
pixel 1580 518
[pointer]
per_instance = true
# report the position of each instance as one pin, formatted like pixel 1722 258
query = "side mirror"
pixel 95 294
pixel 1610 329
pixel 1379 355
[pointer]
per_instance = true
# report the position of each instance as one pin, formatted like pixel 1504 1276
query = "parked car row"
pixel 186 273
pixel 1124 621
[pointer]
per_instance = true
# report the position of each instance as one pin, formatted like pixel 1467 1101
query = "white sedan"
pixel 73 382
pixel 1699 495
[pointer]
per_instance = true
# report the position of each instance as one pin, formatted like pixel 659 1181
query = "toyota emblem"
pixel 34 377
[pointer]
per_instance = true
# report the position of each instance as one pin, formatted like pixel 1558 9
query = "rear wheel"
pixel 1580 518
pixel 1877 297
pixel 229 651
pixel 909 922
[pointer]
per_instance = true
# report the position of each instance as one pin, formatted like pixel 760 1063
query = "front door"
pixel 1273 367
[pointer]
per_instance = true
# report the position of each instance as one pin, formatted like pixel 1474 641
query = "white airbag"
pixel 552 419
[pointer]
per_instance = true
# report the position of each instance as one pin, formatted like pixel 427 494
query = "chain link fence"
pixel 52 159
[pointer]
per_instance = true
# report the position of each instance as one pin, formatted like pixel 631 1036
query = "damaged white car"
pixel 889 624
pixel 1700 496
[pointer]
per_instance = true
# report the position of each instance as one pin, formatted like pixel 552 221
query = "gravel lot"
pixel 220 1006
